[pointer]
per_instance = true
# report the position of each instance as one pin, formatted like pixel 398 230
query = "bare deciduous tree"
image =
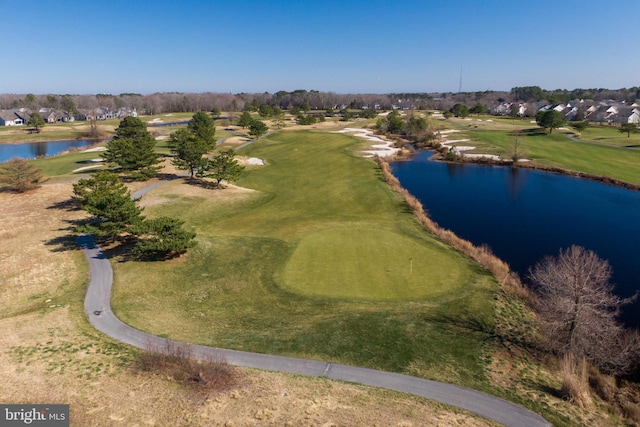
pixel 579 309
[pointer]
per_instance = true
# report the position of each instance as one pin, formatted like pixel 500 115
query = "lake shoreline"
pixel 547 239
pixel 439 157
pixel 78 138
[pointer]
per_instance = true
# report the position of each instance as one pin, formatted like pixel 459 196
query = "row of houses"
pixel 607 111
pixel 21 116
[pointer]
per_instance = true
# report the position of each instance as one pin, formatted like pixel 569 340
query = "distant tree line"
pixel 306 100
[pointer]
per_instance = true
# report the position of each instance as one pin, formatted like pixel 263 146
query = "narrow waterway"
pixel 524 215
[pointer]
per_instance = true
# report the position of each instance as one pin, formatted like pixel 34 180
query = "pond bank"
pixel 524 214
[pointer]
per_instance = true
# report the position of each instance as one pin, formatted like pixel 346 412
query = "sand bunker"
pixel 385 147
pixel 460 149
pixel 99 161
pixel 91 150
pixel 250 161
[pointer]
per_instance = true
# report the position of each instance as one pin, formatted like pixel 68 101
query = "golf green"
pixel 367 263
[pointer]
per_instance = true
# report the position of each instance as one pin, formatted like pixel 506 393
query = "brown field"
pixel 50 354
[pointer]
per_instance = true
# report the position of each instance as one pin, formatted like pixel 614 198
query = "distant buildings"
pixel 20 116
pixel 606 111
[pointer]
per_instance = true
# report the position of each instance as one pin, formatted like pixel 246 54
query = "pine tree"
pixel 20 176
pixel 223 166
pixel 162 238
pixel 106 197
pixel 204 128
pixel 132 150
pixel 188 150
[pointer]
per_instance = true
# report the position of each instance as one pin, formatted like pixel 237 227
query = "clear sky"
pixel 347 46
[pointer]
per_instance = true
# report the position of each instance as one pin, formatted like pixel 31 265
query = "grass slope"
pixel 314 263
pixel 599 151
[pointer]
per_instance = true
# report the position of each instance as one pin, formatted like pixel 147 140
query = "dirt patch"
pixel 235 140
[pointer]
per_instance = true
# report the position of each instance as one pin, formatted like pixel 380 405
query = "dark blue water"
pixel 524 215
pixel 32 150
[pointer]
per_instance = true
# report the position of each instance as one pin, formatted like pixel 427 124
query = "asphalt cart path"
pixel 97 306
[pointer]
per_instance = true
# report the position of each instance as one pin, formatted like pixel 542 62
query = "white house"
pixel 10 118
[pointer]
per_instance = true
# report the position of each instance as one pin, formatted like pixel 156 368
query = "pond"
pixel 32 150
pixel 523 215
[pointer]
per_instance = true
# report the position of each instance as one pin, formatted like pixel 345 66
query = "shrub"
pixel 176 361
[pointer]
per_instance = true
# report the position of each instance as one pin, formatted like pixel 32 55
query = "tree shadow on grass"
pixel 69 205
pixel 202 183
pixel 530 132
pixel 466 321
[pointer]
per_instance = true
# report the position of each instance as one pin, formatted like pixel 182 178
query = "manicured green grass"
pixel 62 166
pixel 611 136
pixel 314 263
pixel 359 261
pixel 557 150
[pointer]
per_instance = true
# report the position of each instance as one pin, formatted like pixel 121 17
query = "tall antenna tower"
pixel 460 84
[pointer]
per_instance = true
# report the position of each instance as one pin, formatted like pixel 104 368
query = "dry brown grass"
pixel 31 271
pixel 50 354
pixel 176 361
pixel 575 382
pixel 185 189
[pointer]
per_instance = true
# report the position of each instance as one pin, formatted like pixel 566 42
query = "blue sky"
pixel 355 46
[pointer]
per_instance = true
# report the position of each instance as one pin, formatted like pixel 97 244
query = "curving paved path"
pixel 97 306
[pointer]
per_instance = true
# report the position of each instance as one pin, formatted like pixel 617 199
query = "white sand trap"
pixel 483 156
pixel 156 120
pixel 460 149
pixel 255 161
pixel 84 168
pixel 92 150
pixel 162 137
pixel 250 161
pixel 455 141
pixel 384 149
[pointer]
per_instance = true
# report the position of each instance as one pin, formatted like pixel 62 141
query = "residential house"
pixel 126 112
pixel 48 114
pixel 504 109
pixel 10 118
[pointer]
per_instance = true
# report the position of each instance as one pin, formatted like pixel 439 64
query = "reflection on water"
pixel 515 180
pixel 32 150
pixel 524 215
